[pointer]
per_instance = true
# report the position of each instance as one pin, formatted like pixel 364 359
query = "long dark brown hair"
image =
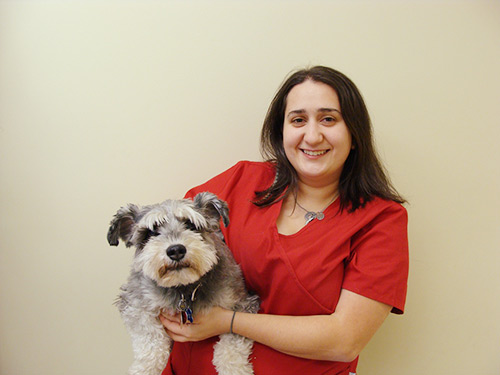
pixel 363 176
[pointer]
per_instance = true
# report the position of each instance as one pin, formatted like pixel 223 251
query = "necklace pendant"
pixel 320 215
pixel 310 216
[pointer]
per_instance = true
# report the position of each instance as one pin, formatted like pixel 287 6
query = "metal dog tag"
pixel 182 306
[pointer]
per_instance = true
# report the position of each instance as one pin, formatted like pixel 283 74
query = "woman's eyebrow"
pixel 296 112
pixel 321 110
pixel 329 110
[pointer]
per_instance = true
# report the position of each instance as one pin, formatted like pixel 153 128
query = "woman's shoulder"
pixel 245 174
pixel 384 204
pixel 246 170
pixel 378 208
pixel 255 166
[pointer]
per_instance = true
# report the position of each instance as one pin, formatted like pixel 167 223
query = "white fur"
pixel 231 355
pixel 150 343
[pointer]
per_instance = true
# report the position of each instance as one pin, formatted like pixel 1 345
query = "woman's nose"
pixel 313 133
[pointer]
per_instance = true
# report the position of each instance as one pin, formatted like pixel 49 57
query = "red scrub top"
pixel 365 252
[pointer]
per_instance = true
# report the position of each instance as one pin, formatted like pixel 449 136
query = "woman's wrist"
pixel 232 323
pixel 224 318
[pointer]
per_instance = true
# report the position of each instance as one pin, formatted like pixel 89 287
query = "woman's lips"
pixel 314 152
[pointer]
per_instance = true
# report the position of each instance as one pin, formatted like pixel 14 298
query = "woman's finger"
pixel 176 330
pixel 169 321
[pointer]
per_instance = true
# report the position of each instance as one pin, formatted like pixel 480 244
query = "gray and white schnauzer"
pixel 181 264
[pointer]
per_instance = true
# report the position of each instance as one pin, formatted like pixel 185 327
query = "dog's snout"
pixel 176 252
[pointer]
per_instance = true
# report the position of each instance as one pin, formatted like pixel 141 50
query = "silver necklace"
pixel 311 215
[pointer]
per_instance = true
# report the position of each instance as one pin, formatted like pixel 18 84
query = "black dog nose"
pixel 176 252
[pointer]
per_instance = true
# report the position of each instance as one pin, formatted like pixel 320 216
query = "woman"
pixel 319 232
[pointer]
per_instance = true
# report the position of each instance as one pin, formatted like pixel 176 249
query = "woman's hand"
pixel 213 322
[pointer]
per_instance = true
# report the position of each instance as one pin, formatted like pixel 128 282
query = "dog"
pixel 181 264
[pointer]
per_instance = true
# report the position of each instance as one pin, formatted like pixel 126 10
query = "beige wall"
pixel 104 103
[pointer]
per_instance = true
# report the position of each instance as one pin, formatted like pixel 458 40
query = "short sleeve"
pixel 253 175
pixel 219 183
pixel 377 267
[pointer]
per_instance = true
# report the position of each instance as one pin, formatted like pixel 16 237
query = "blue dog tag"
pixel 189 315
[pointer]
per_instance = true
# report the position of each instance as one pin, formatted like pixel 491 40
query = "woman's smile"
pixel 315 153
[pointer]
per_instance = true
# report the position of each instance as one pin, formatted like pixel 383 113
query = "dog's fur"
pixel 179 252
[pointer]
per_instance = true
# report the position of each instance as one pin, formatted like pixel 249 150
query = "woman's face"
pixel 315 137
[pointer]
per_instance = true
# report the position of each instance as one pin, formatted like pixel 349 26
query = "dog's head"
pixel 173 239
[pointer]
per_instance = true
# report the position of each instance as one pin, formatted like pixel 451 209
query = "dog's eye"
pixel 146 235
pixel 189 225
pixel 150 233
pixel 153 233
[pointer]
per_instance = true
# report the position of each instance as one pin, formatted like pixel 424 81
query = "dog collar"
pixel 185 306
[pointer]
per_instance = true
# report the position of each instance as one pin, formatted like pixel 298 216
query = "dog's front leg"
pixel 150 342
pixel 231 355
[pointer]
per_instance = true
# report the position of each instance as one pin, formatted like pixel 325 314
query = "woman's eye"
pixel 298 121
pixel 329 120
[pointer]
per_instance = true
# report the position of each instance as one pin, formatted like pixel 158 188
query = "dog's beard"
pixel 153 261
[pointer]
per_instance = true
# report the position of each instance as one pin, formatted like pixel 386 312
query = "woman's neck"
pixel 305 199
pixel 316 198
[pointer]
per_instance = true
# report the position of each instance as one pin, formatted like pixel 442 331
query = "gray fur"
pixel 156 281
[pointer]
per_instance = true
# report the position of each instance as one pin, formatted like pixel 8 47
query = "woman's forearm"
pixel 337 337
pixel 312 337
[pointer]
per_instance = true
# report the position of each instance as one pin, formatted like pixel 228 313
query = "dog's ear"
pixel 122 225
pixel 211 206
